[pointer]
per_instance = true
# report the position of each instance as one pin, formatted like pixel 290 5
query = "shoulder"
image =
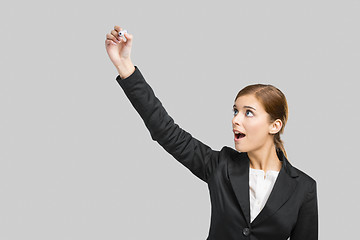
pixel 230 151
pixel 307 182
pixel 232 154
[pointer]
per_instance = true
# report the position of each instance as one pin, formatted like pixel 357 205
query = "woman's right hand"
pixel 120 51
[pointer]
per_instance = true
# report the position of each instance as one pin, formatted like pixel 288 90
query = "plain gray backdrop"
pixel 76 160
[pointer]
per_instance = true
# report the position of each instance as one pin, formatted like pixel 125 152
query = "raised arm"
pixel 199 158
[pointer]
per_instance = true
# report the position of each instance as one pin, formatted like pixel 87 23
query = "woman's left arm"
pixel 307 224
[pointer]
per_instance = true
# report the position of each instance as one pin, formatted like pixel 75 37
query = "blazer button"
pixel 246 231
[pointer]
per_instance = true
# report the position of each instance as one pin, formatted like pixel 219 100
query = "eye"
pixel 249 112
pixel 235 111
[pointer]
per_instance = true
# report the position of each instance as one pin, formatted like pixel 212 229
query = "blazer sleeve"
pixel 199 158
pixel 307 224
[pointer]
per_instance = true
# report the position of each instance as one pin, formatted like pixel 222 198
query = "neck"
pixel 265 158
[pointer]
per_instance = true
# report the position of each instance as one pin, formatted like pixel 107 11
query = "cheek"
pixel 256 130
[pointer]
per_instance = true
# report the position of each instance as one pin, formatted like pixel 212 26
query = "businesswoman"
pixel 255 192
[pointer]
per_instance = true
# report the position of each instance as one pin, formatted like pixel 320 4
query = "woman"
pixel 255 192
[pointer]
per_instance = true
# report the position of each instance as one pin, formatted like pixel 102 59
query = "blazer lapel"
pixel 239 179
pixel 284 186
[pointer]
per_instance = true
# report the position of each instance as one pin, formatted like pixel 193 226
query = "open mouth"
pixel 239 135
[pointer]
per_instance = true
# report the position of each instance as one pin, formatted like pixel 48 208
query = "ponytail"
pixel 279 144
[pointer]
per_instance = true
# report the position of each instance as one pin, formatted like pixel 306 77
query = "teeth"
pixel 236 132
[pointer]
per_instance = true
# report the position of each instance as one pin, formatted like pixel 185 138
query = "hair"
pixel 274 103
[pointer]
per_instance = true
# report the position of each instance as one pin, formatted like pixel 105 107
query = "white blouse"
pixel 260 186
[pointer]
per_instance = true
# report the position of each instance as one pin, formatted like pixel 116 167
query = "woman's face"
pixel 251 119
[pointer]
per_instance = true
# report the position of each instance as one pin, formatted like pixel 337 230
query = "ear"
pixel 275 127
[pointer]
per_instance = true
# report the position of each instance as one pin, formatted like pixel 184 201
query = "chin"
pixel 240 149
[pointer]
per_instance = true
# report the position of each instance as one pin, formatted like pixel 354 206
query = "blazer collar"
pixel 284 186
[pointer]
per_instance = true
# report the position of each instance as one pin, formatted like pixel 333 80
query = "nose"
pixel 236 121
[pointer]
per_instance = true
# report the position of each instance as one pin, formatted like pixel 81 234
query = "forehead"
pixel 248 100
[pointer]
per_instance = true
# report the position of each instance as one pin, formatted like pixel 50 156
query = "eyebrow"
pixel 245 107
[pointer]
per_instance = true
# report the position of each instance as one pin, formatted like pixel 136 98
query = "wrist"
pixel 125 68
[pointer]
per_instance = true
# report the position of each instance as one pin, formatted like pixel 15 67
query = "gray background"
pixel 76 160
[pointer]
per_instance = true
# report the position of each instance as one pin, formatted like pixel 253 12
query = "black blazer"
pixel 291 209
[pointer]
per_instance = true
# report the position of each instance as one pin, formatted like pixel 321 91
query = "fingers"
pixel 117 28
pixel 108 42
pixel 112 38
pixel 116 31
pixel 128 36
pixel 114 35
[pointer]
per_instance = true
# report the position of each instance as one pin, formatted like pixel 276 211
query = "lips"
pixel 238 134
